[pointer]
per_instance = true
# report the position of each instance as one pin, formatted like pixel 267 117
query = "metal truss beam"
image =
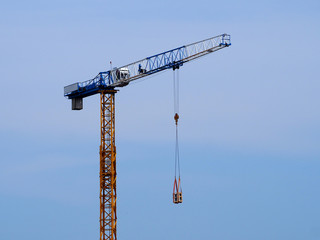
pixel 108 191
pixel 170 59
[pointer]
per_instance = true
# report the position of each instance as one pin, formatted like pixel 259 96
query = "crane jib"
pixel 172 59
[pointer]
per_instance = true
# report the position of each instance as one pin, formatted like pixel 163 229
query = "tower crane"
pixel 106 84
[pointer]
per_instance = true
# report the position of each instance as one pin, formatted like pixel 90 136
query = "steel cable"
pixel 176 113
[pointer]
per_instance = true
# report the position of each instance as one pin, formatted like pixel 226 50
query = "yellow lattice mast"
pixel 108 174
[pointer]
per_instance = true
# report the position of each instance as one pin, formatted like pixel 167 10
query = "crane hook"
pixel 176 118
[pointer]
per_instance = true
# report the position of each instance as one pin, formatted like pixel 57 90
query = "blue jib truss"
pixel 172 59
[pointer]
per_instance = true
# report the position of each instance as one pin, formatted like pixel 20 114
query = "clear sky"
pixel 249 126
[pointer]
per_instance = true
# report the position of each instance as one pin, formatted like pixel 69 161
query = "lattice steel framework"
pixel 108 174
pixel 170 59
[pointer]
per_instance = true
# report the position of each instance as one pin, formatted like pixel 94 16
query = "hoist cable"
pixel 177 91
pixel 176 117
pixel 174 94
pixel 177 135
pixel 177 151
pixel 176 155
pixel 174 112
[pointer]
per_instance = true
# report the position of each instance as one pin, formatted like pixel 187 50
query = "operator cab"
pixel 122 73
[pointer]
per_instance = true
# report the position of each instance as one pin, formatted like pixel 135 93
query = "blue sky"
pixel 249 129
